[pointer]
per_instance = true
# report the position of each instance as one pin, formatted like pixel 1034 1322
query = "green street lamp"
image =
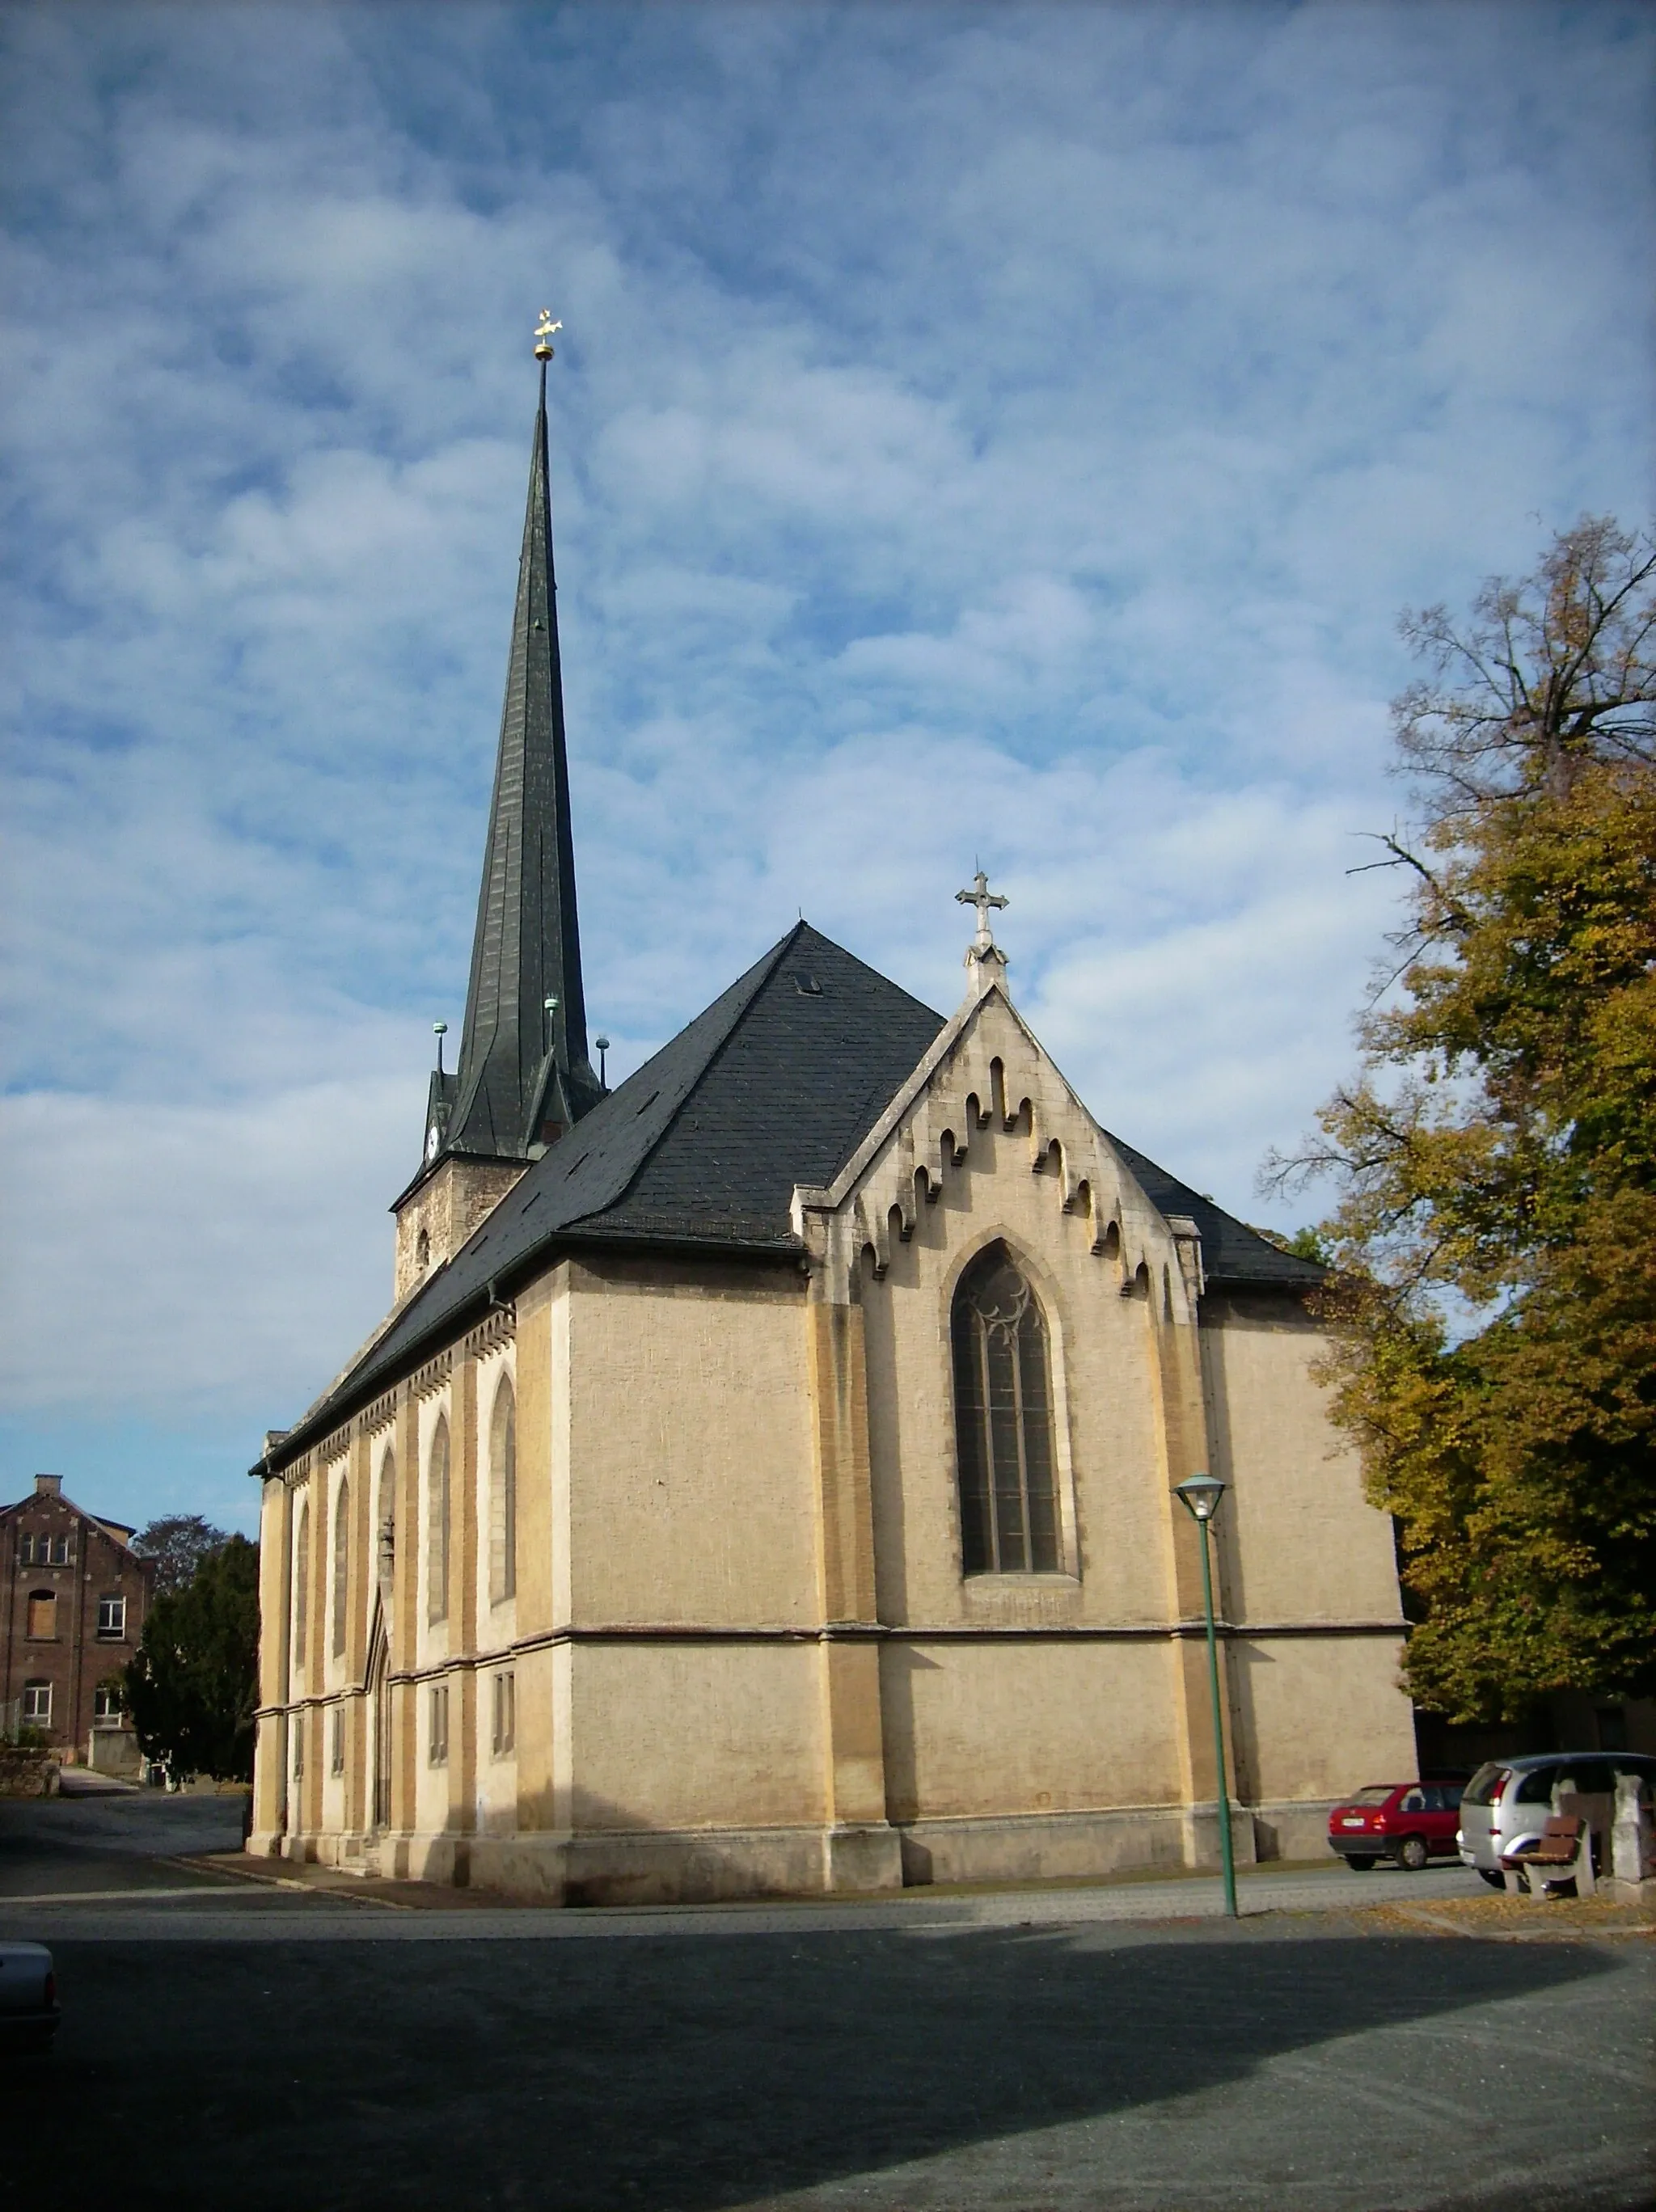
pixel 1202 1494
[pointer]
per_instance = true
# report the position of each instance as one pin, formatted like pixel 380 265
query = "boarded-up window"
pixel 437 1555
pixel 42 1614
pixel 1004 1422
pixel 503 1494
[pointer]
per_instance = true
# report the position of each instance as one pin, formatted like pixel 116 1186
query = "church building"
pixel 764 1480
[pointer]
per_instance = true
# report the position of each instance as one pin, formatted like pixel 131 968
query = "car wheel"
pixel 1496 1881
pixel 1412 1853
pixel 1359 1865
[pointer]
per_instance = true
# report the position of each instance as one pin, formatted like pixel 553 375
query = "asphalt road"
pixel 1021 2050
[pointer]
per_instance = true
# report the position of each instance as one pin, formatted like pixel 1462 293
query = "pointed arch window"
pixel 1003 1421
pixel 341 1567
pixel 503 1494
pixel 437 1504
pixel 301 1587
pixel 386 1537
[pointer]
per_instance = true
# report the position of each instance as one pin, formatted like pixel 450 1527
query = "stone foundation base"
pixel 704 1866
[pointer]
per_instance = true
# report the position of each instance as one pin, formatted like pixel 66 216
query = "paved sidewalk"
pixel 263 1898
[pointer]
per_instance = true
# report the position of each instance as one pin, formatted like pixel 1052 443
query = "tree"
pixel 178 1543
pixel 193 1686
pixel 1494 1240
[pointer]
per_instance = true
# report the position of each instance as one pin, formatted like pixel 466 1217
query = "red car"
pixel 1409 1821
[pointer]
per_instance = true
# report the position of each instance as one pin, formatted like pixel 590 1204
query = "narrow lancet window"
pixel 341 1567
pixel 436 1556
pixel 1004 1422
pixel 301 1588
pixel 503 1495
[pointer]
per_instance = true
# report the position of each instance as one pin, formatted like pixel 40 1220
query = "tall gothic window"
pixel 503 1494
pixel 301 1587
pixel 1003 1421
pixel 436 1507
pixel 385 1562
pixel 341 1567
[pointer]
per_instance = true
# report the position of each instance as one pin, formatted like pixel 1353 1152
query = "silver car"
pixel 1510 1798
pixel 28 1997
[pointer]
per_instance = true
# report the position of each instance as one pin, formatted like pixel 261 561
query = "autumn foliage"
pixel 1494 1242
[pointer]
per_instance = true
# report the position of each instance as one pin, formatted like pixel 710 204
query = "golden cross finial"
pixel 543 329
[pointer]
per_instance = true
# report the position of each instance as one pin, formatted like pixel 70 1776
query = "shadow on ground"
pixel 672 2074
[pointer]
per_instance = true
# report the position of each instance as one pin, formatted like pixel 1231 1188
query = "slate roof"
pixel 774 1086
pixel 1233 1255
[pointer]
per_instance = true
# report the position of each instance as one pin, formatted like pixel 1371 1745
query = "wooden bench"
pixel 1564 1853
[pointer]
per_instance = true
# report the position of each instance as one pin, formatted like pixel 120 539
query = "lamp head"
pixel 1201 1493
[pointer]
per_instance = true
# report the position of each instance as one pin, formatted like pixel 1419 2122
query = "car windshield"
pixel 1480 1790
pixel 1376 1793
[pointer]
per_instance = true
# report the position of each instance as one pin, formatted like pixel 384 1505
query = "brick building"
pixel 74 1597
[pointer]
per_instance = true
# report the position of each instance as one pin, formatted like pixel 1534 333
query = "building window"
pixel 301 1587
pixel 386 1561
pixel 37 1705
pixel 107 1711
pixel 341 1566
pixel 436 1557
pixel 299 1747
pixel 26 1550
pixel 439 1725
pixel 111 1618
pixel 41 1550
pixel 1004 1422
pixel 42 1616
pixel 423 1250
pixel 505 1713
pixel 503 1494
pixel 337 1741
pixel 60 1550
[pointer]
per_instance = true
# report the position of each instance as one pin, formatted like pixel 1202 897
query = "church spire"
pixel 524 1075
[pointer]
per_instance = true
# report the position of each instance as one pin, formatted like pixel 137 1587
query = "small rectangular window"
pixel 112 1617
pixel 439 1725
pixel 37 1705
pixel 26 1551
pixel 298 1749
pixel 60 1550
pixel 106 1705
pixel 337 1741
pixel 505 1713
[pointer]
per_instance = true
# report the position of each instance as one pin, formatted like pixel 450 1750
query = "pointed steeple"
pixel 524 1076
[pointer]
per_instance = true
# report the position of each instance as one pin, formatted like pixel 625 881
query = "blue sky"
pixel 1005 432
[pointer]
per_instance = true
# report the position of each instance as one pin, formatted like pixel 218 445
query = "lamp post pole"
pixel 1202 1494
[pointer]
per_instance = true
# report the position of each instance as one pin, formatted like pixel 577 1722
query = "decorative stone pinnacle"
pixel 544 331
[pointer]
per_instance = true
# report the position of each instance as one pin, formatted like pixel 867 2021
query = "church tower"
pixel 524 1075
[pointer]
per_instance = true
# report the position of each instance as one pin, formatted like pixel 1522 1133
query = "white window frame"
pixel 37 1705
pixel 115 1631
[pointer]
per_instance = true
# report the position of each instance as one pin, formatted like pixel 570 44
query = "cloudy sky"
pixel 1006 432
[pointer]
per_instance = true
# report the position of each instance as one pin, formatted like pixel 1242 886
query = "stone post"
pixel 1632 1840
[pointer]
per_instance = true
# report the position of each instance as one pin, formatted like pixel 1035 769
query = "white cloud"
pixel 1004 433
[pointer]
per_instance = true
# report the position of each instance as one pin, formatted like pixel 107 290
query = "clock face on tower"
pixel 431 1142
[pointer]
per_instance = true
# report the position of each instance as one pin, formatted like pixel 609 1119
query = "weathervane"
pixel 544 331
pixel 983 898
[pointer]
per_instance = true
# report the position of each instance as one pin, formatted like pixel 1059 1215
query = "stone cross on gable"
pixel 983 898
